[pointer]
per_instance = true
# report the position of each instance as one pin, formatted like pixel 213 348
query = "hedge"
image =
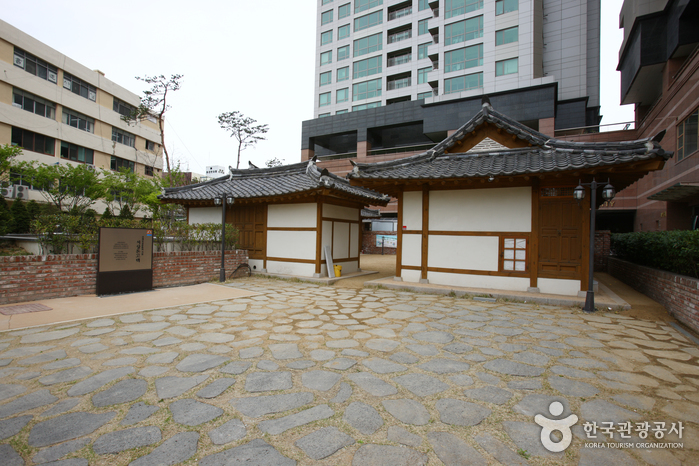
pixel 673 251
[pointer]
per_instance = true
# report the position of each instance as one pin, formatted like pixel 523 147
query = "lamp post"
pixel 221 200
pixel 579 194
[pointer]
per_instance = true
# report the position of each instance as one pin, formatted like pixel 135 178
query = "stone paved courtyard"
pixel 307 374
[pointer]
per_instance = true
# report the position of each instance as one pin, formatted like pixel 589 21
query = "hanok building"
pixel 492 205
pixel 286 216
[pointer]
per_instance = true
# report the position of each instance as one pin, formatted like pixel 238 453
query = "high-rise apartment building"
pixel 394 77
pixel 59 111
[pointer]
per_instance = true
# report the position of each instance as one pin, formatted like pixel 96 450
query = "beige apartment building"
pixel 60 111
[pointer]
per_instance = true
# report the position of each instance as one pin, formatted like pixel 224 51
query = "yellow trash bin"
pixel 338 270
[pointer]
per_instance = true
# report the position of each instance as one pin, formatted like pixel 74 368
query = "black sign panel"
pixel 124 260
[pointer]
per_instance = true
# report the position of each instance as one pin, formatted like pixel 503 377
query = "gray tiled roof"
pixel 545 155
pixel 270 182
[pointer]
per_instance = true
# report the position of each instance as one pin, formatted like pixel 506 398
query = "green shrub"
pixel 675 251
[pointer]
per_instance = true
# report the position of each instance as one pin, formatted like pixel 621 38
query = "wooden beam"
pixel 425 228
pixel 534 237
pixel 399 248
pixel 319 233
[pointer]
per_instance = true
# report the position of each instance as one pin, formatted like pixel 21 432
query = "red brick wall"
pixel 678 293
pixel 30 278
pixel 369 243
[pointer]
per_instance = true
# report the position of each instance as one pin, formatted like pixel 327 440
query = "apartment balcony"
pixel 399 36
pixel 398 83
pixel 395 14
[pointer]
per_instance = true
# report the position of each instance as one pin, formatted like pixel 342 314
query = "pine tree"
pixel 125 213
pixel 33 210
pixel 107 214
pixel 20 217
pixel 5 217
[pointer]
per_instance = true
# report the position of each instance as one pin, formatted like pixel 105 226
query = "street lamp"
pixel 579 194
pixel 221 201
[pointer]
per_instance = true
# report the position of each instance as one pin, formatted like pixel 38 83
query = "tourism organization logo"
pixel 548 426
pixel 606 434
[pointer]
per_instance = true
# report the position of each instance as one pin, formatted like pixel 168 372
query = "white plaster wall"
pixel 412 250
pixel 291 268
pixel 497 209
pixel 354 240
pixel 463 252
pixel 291 244
pixel 412 276
pixel 204 215
pixel 326 238
pixel 479 281
pixel 412 210
pixel 256 264
pixel 341 212
pixel 559 286
pixel 292 215
pixel 341 240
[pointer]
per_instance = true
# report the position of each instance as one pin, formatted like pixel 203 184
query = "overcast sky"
pixel 254 57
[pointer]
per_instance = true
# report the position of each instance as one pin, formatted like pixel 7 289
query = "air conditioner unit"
pixel 90 166
pixel 21 192
pixel 7 192
pixel 19 61
pixel 53 77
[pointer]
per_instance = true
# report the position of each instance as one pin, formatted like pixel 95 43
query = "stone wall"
pixel 369 243
pixel 678 293
pixel 30 278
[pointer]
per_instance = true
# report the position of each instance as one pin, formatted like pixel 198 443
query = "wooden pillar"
pixel 425 231
pixel 399 234
pixel 319 234
pixel 534 238
pixel 360 234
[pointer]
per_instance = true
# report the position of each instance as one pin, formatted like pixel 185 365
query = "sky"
pixel 254 57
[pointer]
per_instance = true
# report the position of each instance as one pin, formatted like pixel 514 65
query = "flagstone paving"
pixel 310 375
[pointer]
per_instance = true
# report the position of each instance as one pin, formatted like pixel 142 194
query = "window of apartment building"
pixel 343 74
pixel 326 58
pixel 340 112
pixel 118 164
pixel 78 120
pixel 343 32
pixel 423 5
pixel 504 67
pixel 342 95
pixel 460 7
pixel 365 106
pixel 35 66
pixel 79 87
pixel 326 78
pixel 461 59
pixel 150 145
pixel 688 136
pixel 366 90
pixel 33 141
pixel 505 6
pixel 344 11
pixel 326 17
pixel 462 31
pixel 324 99
pixel 422 74
pixel 424 95
pixel 148 170
pixel 361 5
pixel 367 67
pixel 368 44
pixel 326 37
pixel 122 137
pixel 343 53
pixel 367 21
pixel 34 104
pixel 76 153
pixel 506 36
pixel 323 115
pixel 422 27
pixel 325 2
pixel 463 83
pixel 123 108
pixel 423 50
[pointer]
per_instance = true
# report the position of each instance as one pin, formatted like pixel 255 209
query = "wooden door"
pixel 251 222
pixel 560 235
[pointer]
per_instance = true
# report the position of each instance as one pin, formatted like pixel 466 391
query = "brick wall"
pixel 369 243
pixel 603 240
pixel 29 278
pixel 678 293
